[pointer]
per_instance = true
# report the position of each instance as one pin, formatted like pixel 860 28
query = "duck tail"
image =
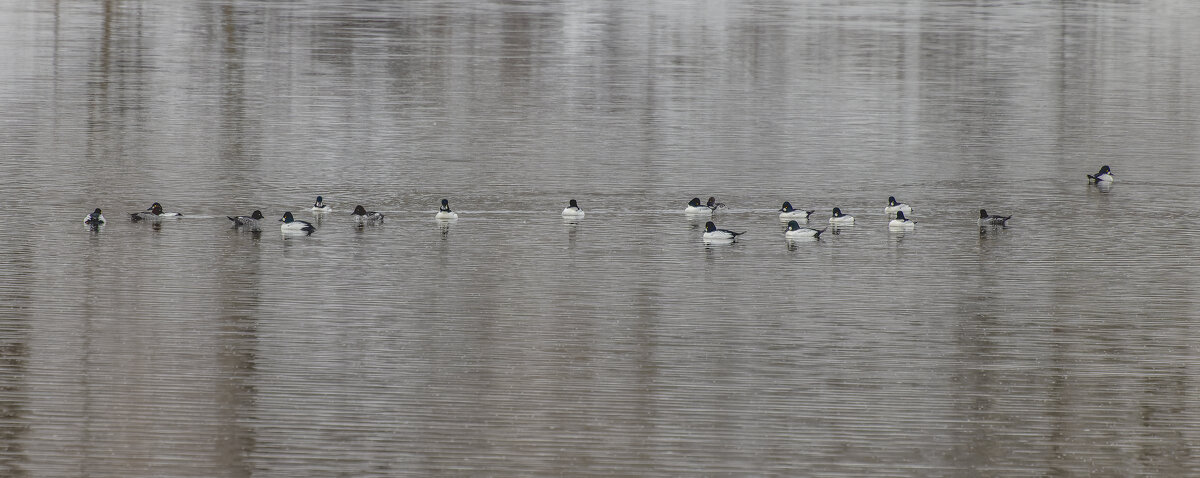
pixel 818 233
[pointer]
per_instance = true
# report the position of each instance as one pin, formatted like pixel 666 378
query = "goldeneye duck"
pixel 94 219
pixel 445 212
pixel 294 226
pixel 901 222
pixel 694 206
pixel 992 220
pixel 839 219
pixel 788 212
pixel 894 207
pixel 363 216
pixel 794 231
pixel 250 222
pixel 155 211
pixel 712 234
pixel 573 210
pixel 320 205
pixel 1104 176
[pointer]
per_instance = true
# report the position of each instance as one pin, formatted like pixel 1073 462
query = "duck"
pixel 294 226
pixel 362 216
pixel 712 234
pixel 992 220
pixel 250 222
pixel 320 205
pixel 155 211
pixel 445 212
pixel 894 207
pixel 901 222
pixel 94 219
pixel 840 219
pixel 794 231
pixel 694 206
pixel 573 210
pixel 788 212
pixel 1103 176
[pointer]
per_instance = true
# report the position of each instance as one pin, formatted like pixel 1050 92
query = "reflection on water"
pixel 514 341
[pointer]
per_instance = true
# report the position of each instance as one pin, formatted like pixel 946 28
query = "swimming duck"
pixel 839 219
pixel 94 219
pixel 787 212
pixel 992 220
pixel 445 212
pixel 155 211
pixel 363 216
pixel 894 207
pixel 694 206
pixel 320 206
pixel 712 234
pixel 573 210
pixel 1104 176
pixel 901 222
pixel 794 231
pixel 294 226
pixel 250 222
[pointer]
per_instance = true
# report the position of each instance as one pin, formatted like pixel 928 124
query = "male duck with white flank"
pixel 249 222
pixel 294 226
pixel 1104 176
pixel 445 212
pixel 840 219
pixel 694 206
pixel 795 232
pixel 573 211
pixel 894 207
pixel 993 219
pixel 154 212
pixel 787 212
pixel 320 205
pixel 94 219
pixel 363 217
pixel 712 234
pixel 901 223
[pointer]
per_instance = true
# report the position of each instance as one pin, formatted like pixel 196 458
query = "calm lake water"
pixel 513 343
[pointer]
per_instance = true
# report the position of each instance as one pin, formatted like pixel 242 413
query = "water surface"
pixel 511 342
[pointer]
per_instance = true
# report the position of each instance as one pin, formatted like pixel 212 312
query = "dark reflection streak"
pixel 87 348
pixel 14 358
pixel 646 332
pixel 238 334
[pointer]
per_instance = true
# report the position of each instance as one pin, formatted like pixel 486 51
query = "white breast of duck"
pixel 901 222
pixel 94 218
pixel 573 210
pixel 445 212
pixel 796 232
pixel 840 219
pixel 712 234
pixel 787 213
pixel 696 207
pixel 894 207
pixel 320 206
pixel 293 226
pixel 1103 176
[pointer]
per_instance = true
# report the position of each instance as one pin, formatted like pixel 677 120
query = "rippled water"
pixel 513 343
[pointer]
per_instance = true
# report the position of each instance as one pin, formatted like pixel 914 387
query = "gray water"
pixel 513 343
